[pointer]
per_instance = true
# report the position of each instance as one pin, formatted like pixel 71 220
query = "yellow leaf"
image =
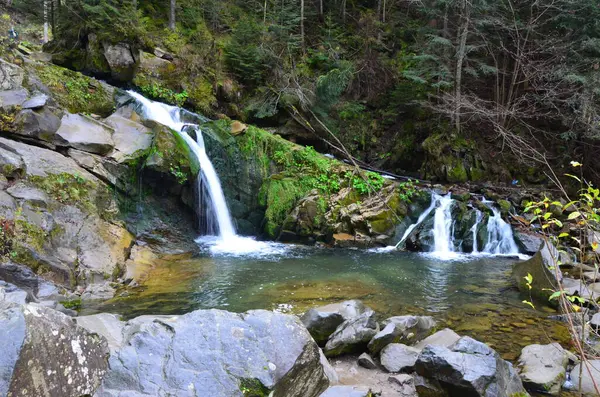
pixel 576 164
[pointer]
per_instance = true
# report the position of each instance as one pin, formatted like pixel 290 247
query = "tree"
pixel 172 15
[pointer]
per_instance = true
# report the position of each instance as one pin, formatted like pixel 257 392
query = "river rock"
pixel 84 133
pixel 322 321
pixel 366 361
pixel 595 322
pixel 346 391
pixel 443 338
pixel 211 353
pixel 543 267
pixel 44 353
pixel 587 380
pixel 468 368
pixel 401 329
pixel 528 243
pixel 543 368
pixel 352 335
pixel 397 357
pixel 11 163
pixel 120 60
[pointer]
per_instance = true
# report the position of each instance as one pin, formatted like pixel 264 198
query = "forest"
pixel 445 90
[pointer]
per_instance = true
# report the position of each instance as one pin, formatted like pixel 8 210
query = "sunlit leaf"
pixel 574 177
pixel 563 235
pixel 574 215
pixel 529 303
pixel 576 164
pixel 555 295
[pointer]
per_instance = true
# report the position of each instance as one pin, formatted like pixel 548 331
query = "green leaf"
pixel 563 235
pixel 574 215
pixel 529 303
pixel 528 278
pixel 555 295
pixel 576 164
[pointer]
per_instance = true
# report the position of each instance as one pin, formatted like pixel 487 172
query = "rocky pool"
pixel 472 294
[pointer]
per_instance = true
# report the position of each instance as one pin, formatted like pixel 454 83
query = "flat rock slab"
pixel 444 338
pixel 543 368
pixel 401 329
pixel 131 138
pixel 210 353
pixel 35 102
pixel 346 391
pixel 13 98
pixel 84 133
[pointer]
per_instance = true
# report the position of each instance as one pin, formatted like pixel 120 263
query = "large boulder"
pixel 40 124
pixel 529 243
pixel 211 352
pixel 44 353
pixel 468 368
pixel 401 329
pixel 352 335
pixel 132 139
pixel 543 368
pixel 84 133
pixel 543 267
pixel 120 60
pixel 346 391
pixel 322 321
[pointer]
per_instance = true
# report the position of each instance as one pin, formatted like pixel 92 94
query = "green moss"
pixel 279 196
pixel 504 206
pixel 253 388
pixel 456 172
pixel 74 304
pixel 74 91
pixel 201 95
pixel 68 189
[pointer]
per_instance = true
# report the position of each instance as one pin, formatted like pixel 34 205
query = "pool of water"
pixel 474 295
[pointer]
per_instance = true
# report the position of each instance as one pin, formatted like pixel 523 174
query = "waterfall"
pixel 170 117
pixel 442 225
pixel 478 217
pixel 500 238
pixel 422 217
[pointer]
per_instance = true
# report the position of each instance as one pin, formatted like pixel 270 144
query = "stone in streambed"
pixel 322 321
pixel 543 368
pixel 366 361
pixel 397 357
pixel 468 368
pixel 444 338
pixel 401 329
pixel 346 391
pixel 352 335
pixel 587 380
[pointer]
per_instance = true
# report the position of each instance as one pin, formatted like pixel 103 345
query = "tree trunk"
pixel 344 11
pixel 265 14
pixel 463 32
pixel 45 39
pixel 172 15
pixel 383 12
pixel 302 23
pixel 321 8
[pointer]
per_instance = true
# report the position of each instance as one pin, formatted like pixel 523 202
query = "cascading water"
pixel 170 117
pixel 474 228
pixel 420 220
pixel 500 239
pixel 218 219
pixel 442 225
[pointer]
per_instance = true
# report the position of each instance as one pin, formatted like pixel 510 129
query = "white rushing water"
pixel 420 220
pixel 442 225
pixel 500 239
pixel 227 241
pixel 474 228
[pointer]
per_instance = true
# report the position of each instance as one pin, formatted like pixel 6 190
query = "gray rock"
pixel 352 335
pixel 346 391
pixel 528 243
pixel 11 163
pixel 84 133
pixel 322 321
pixel 401 379
pixel 20 276
pixel 428 387
pixel 44 353
pixel 366 361
pixel 29 194
pixel 542 267
pixel 444 338
pixel 209 353
pixel 120 60
pixel 101 291
pixel 595 322
pixel 397 357
pixel 8 205
pixel 11 76
pixel 35 102
pixel 132 139
pixel 12 98
pixel 587 380
pixel 39 124
pixel 468 368
pixel 543 368
pixel 10 293
pixel 401 329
